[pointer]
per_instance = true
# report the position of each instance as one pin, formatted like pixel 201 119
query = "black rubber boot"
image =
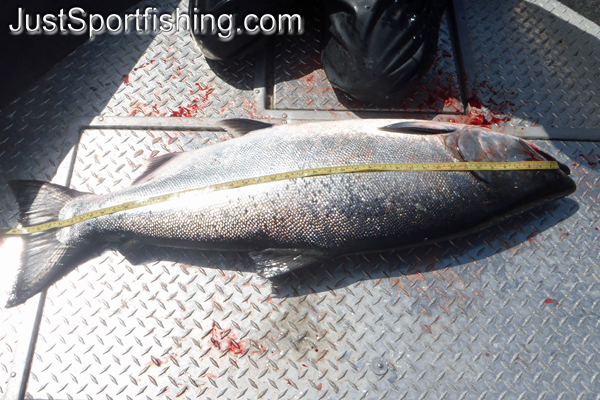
pixel 379 49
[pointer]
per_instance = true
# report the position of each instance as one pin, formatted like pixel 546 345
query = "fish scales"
pixel 322 212
pixel 331 213
pixel 281 149
pixel 294 223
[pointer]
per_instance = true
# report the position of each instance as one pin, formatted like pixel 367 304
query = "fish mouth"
pixel 565 185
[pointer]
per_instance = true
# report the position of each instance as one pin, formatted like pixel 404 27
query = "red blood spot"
pixel 319 386
pixel 520 359
pixel 487 354
pixel 194 106
pixel 288 381
pixel 478 114
pixel 172 139
pixel 189 110
pixel 126 79
pixel 590 162
pixel 474 103
pixel 549 301
pixel 154 111
pixel 145 65
pixel 208 89
pixel 261 350
pixel 304 365
pixel 574 165
pixel 235 348
pixel 596 228
pixel 225 340
pixel 158 362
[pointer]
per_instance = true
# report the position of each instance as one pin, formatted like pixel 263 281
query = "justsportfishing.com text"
pixel 77 21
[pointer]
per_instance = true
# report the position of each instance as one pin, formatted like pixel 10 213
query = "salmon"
pixel 293 223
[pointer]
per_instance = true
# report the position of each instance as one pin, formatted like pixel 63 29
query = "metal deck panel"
pixel 429 345
pixel 111 76
pixel 537 61
pixel 506 311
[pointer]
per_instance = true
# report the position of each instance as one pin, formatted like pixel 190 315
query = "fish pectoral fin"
pixel 419 127
pixel 238 127
pixel 153 164
pixel 275 262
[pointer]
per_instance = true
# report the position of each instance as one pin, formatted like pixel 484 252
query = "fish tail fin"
pixel 41 257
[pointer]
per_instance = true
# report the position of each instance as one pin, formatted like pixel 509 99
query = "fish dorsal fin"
pixel 239 126
pixel 419 127
pixel 275 262
pixel 152 165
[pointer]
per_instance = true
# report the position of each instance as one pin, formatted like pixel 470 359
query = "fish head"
pixel 476 144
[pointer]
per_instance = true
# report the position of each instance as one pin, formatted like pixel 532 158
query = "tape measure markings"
pixel 457 166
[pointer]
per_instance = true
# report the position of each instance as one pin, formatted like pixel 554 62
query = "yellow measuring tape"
pixel 346 169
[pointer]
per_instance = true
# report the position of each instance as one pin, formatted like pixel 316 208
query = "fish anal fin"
pixel 419 127
pixel 153 164
pixel 132 250
pixel 274 262
pixel 238 127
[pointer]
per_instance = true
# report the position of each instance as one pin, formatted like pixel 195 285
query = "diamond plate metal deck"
pixel 111 76
pixel 508 313
pixel 537 61
pixel 301 82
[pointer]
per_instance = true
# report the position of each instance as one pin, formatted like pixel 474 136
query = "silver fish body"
pixel 293 223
